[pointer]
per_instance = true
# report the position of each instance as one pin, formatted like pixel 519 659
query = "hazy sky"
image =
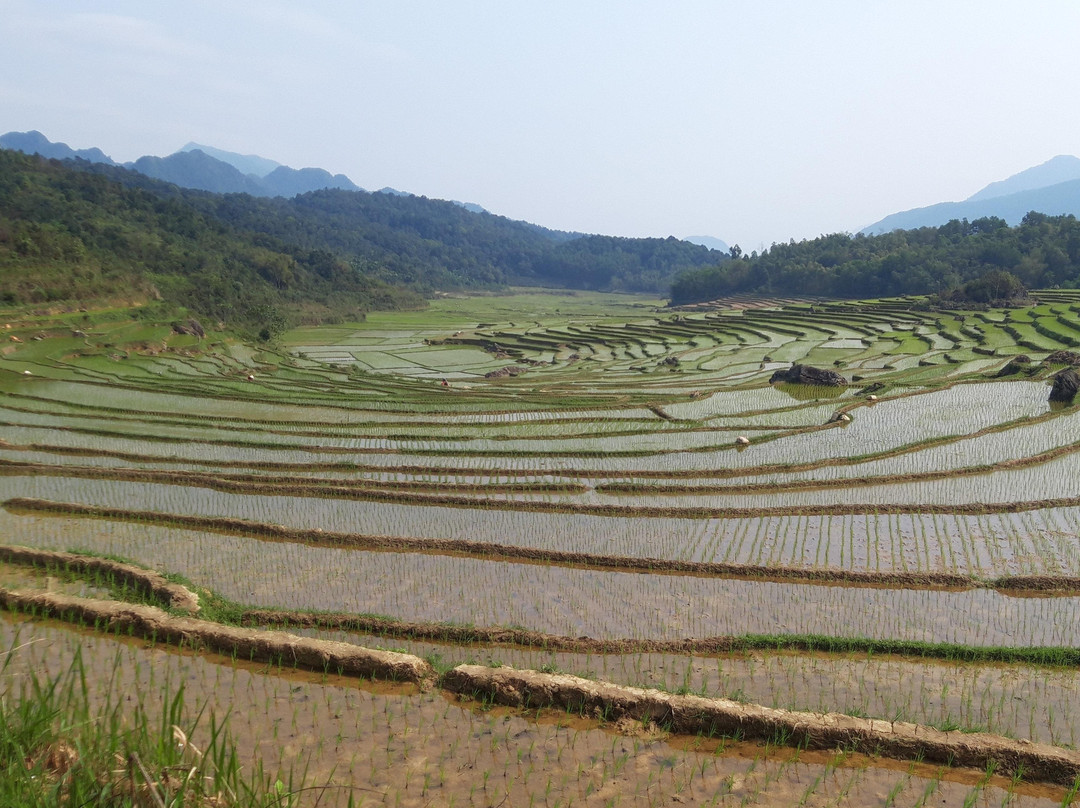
pixel 751 121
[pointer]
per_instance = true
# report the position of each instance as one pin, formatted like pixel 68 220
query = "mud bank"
pixel 251 644
pixel 455 634
pixel 693 715
pixel 147 582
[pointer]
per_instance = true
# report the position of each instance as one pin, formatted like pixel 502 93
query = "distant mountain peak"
pixel 1052 188
pixel 472 207
pixel 33 142
pixel 197 169
pixel 285 181
pixel 1063 168
pixel 244 163
pixel 711 242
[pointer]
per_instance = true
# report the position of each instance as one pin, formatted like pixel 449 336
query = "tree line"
pixel 1041 252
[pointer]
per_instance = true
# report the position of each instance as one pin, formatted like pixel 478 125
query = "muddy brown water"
pixel 15 576
pixel 400 747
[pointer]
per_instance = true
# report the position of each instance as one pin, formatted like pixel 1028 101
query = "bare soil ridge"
pixel 245 643
pixel 693 715
pixel 151 583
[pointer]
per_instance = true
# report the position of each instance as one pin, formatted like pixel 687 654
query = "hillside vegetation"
pixel 75 231
pixel 69 235
pixel 1042 251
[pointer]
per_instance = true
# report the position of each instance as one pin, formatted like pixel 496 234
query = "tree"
pixel 995 287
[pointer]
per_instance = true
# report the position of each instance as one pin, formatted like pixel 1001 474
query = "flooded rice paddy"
pixel 360 744
pixel 558 600
pixel 612 438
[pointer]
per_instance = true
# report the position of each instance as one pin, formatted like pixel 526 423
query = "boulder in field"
pixel 1065 387
pixel 1018 364
pixel 1070 358
pixel 192 327
pixel 805 374
pixel 502 373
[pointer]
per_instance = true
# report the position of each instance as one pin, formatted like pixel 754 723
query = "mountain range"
pixel 206 168
pixel 1052 188
pixel 199 167
pixel 77 229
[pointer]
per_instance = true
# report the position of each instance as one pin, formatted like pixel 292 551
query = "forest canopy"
pixel 1041 252
pixel 73 230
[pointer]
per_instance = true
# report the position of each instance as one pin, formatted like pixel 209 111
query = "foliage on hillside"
pixel 74 235
pixel 440 245
pixel 1043 251
pixel 77 231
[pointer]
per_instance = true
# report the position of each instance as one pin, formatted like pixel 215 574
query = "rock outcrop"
pixel 1065 387
pixel 805 374
pixel 192 326
pixel 502 373
pixel 1018 364
pixel 1063 358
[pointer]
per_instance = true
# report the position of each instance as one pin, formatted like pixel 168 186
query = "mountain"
pixel 77 231
pixel 285 181
pixel 978 257
pixel 196 169
pixel 1056 170
pixel 199 167
pixel 244 163
pixel 1053 201
pixel 1052 188
pixel 33 142
pixel 711 242
pixel 273 178
pixel 472 207
pixel 394 247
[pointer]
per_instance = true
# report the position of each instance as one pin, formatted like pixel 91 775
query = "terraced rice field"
pixel 574 497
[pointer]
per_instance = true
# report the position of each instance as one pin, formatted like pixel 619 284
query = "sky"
pixel 754 122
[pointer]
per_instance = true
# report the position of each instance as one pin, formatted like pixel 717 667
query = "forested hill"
pixel 233 255
pixel 70 235
pixel 435 244
pixel 1042 251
